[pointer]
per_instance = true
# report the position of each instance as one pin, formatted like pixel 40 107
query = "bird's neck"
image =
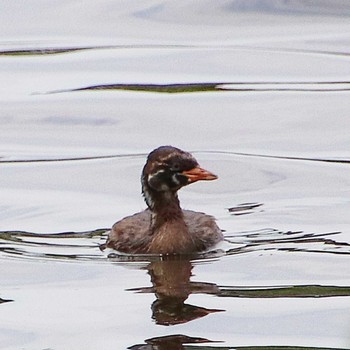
pixel 164 206
pixel 168 227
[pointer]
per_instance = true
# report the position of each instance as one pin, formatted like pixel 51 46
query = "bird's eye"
pixel 175 167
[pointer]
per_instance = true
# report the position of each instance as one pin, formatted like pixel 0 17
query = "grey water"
pixel 257 91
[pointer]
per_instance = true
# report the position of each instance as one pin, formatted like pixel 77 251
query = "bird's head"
pixel 168 169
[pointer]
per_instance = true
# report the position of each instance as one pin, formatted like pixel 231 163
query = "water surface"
pixel 259 92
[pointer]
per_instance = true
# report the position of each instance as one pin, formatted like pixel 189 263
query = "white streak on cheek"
pixel 175 179
pixel 162 187
pixel 151 176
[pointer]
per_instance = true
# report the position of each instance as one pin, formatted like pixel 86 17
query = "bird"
pixel 164 228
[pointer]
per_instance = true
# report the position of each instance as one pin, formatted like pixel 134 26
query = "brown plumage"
pixel 164 228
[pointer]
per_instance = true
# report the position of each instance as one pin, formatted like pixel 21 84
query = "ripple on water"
pixel 271 188
pixel 274 176
pixel 79 246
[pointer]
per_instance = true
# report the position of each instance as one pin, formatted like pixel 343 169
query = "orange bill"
pixel 198 173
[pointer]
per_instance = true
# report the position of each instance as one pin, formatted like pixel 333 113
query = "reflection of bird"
pixel 164 228
pixel 172 286
pixel 171 342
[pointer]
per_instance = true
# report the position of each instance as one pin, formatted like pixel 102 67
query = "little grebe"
pixel 164 228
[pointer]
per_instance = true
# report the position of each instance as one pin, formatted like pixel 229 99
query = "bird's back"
pixel 133 234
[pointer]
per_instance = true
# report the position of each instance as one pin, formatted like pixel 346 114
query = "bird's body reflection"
pixel 170 342
pixel 172 286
